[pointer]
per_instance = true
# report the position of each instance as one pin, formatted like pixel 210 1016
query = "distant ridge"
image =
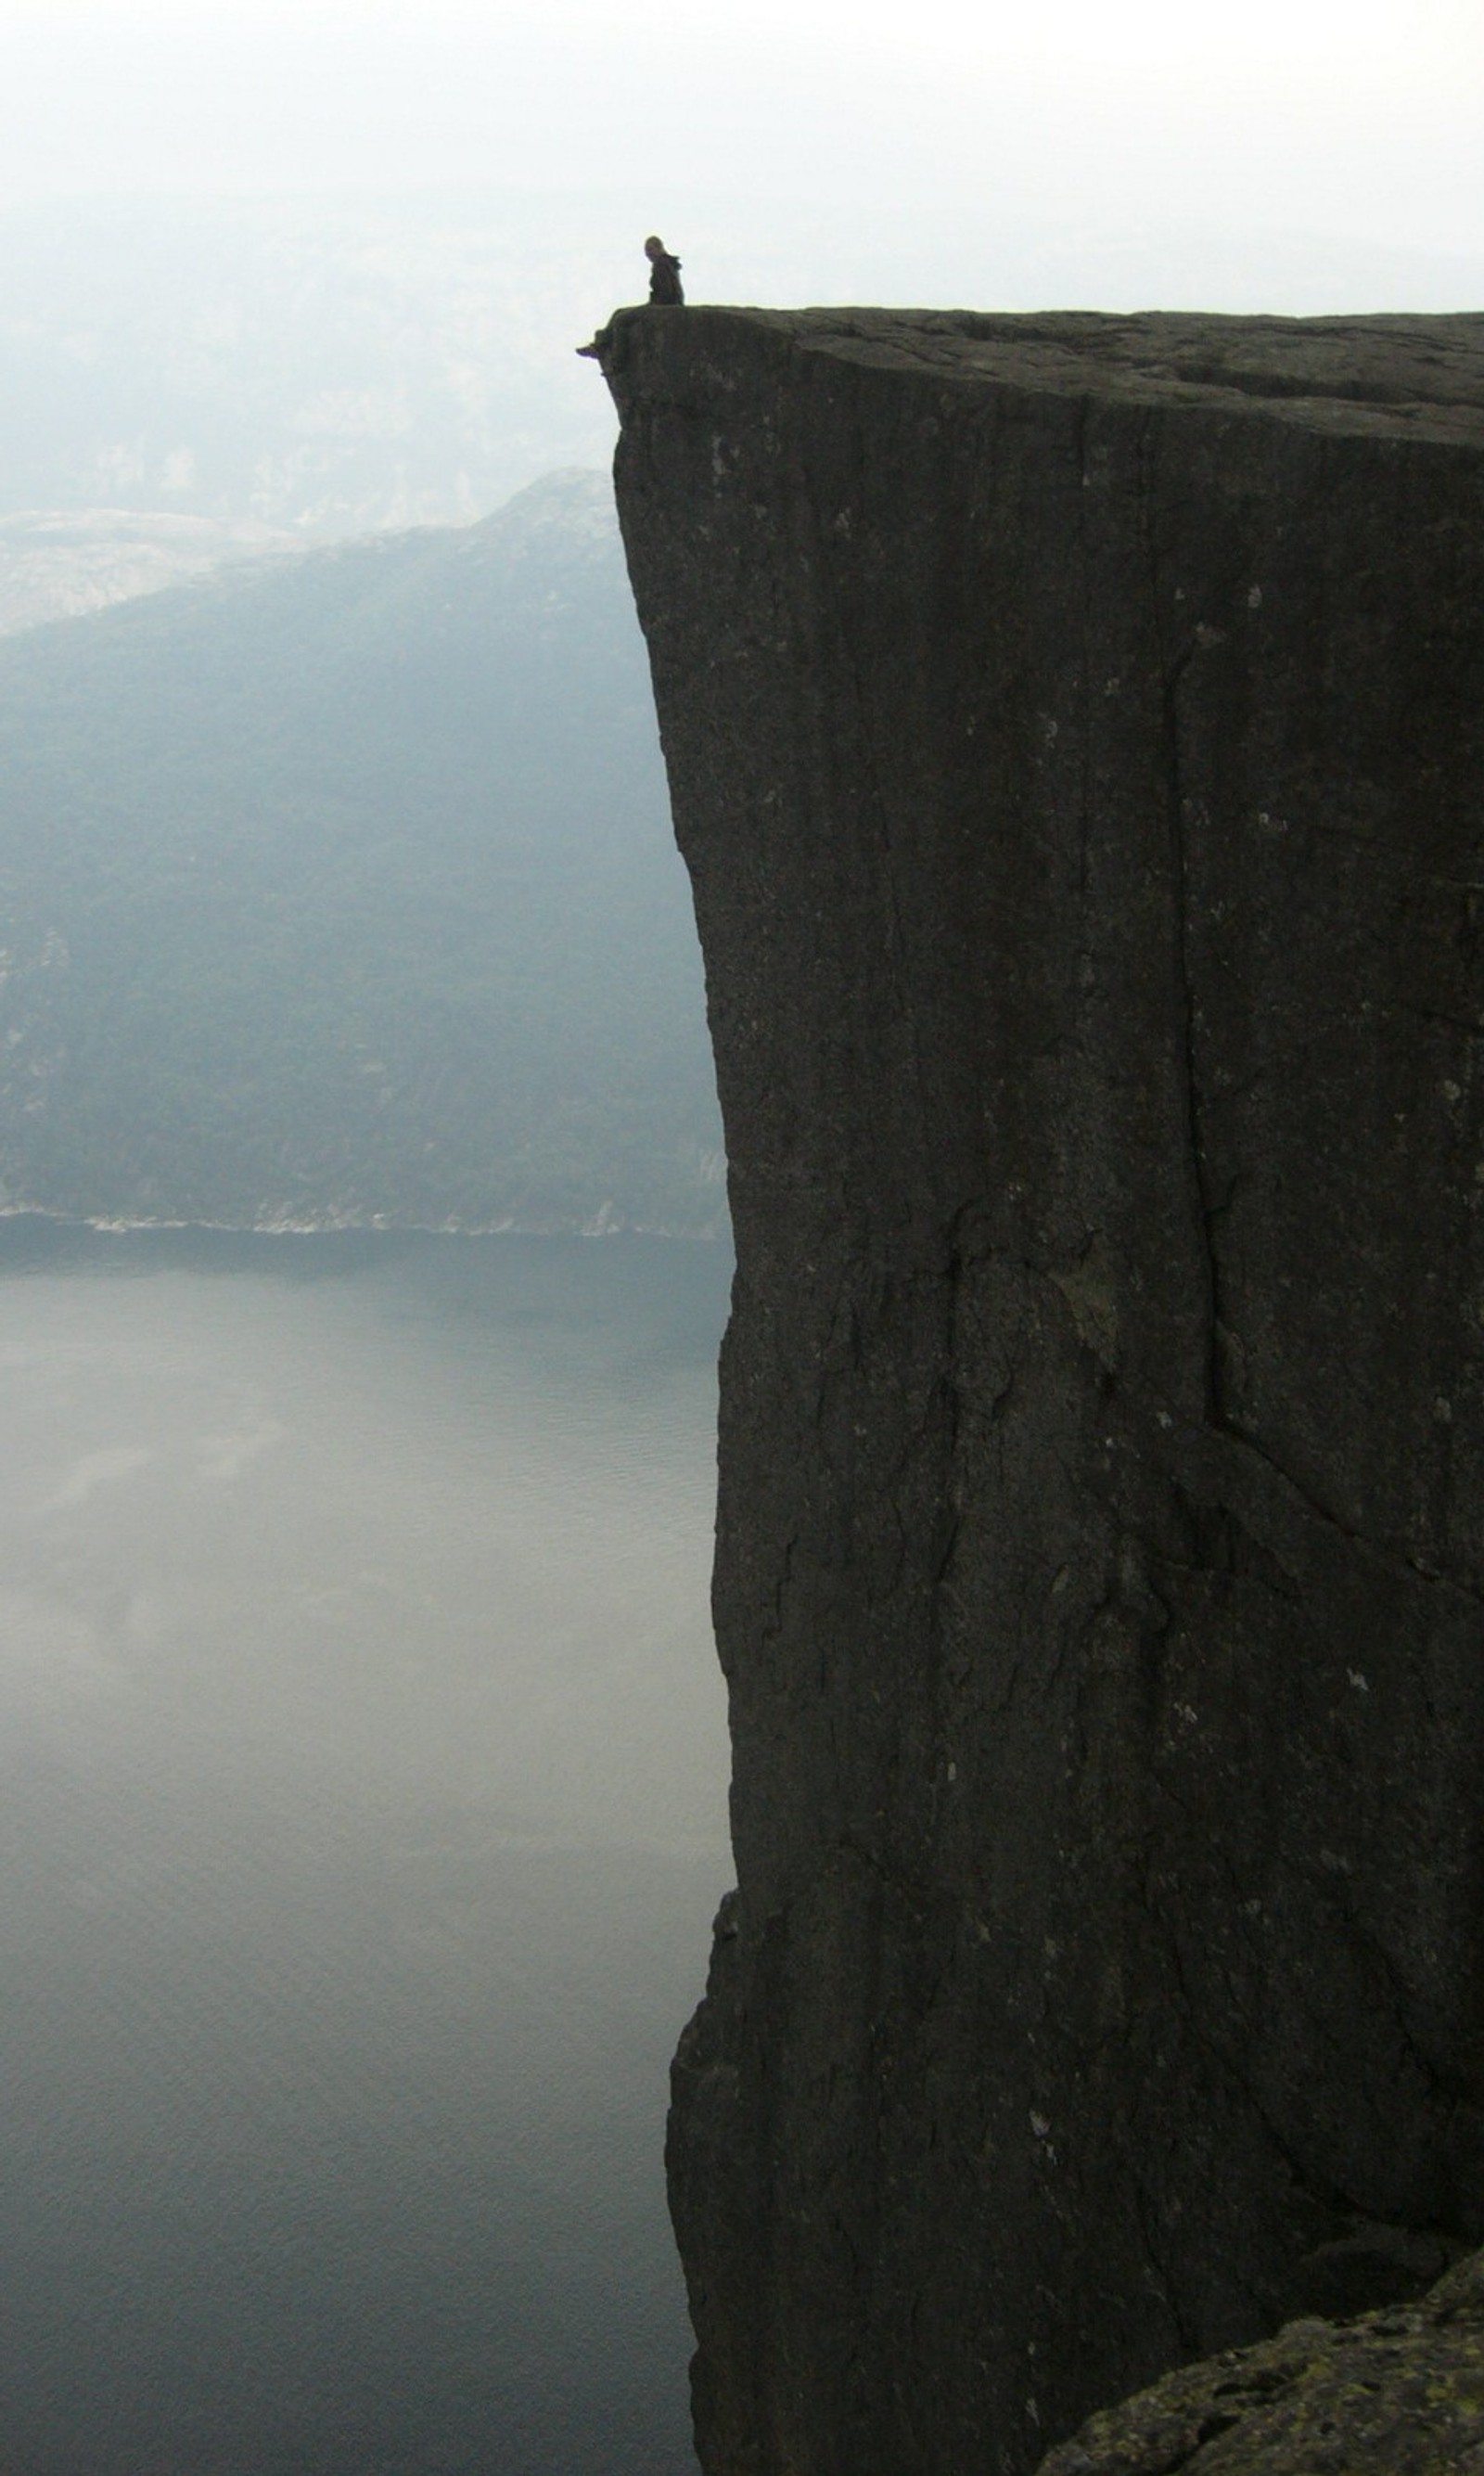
pixel 342 890
pixel 64 564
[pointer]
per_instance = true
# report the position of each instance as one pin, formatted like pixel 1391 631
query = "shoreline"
pixel 372 1227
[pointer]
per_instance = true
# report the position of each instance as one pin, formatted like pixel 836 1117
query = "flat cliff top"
pixel 1407 376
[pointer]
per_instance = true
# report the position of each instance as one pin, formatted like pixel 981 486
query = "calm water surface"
pixel 362 1818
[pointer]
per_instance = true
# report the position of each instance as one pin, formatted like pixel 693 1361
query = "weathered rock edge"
pixel 1399 2392
pixel 1076 734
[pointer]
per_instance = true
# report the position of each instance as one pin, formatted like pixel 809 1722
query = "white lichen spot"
pixel 1255 597
pixel 1188 1715
pixel 1163 1419
pixel 1039 2124
pixel 1051 729
pixel 1206 635
pixel 1362 1684
pixel 1443 1409
pixel 953 1770
pixel 1061 1581
pixel 1452 1092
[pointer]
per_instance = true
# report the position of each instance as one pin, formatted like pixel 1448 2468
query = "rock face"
pixel 1394 2393
pixel 1076 734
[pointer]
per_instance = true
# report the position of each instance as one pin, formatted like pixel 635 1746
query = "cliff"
pixel 1076 734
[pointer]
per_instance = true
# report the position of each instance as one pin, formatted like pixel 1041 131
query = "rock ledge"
pixel 1399 2392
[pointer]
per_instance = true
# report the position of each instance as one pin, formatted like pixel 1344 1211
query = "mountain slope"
pixel 343 889
pixel 65 565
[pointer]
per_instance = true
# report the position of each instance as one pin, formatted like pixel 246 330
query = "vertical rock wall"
pixel 1075 732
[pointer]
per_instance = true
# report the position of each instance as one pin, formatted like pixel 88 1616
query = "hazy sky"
pixel 1359 119
pixel 1159 149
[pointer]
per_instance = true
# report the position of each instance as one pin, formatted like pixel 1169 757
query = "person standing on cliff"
pixel 664 283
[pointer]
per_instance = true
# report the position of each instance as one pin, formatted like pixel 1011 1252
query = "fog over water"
pixel 363 1817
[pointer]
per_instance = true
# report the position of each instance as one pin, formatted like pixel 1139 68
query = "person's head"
pixel 654 248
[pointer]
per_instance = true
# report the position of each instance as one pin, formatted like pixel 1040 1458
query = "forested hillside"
pixel 343 890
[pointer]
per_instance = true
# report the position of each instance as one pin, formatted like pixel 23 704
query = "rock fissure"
pixel 1172 668
pixel 1306 2177
pixel 1384 1557
pixel 1085 805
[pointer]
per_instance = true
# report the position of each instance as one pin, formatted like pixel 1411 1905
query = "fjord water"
pixel 363 1817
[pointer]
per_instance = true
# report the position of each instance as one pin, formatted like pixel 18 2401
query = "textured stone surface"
pixel 1395 2394
pixel 1076 731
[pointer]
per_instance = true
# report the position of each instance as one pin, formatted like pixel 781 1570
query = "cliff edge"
pixel 1076 734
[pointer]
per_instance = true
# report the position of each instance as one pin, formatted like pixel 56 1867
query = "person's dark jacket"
pixel 664 285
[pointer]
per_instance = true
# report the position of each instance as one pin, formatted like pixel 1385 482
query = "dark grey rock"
pixel 1399 2392
pixel 1370 2263
pixel 1075 732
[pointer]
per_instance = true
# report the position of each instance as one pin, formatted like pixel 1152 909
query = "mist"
pixel 1320 157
